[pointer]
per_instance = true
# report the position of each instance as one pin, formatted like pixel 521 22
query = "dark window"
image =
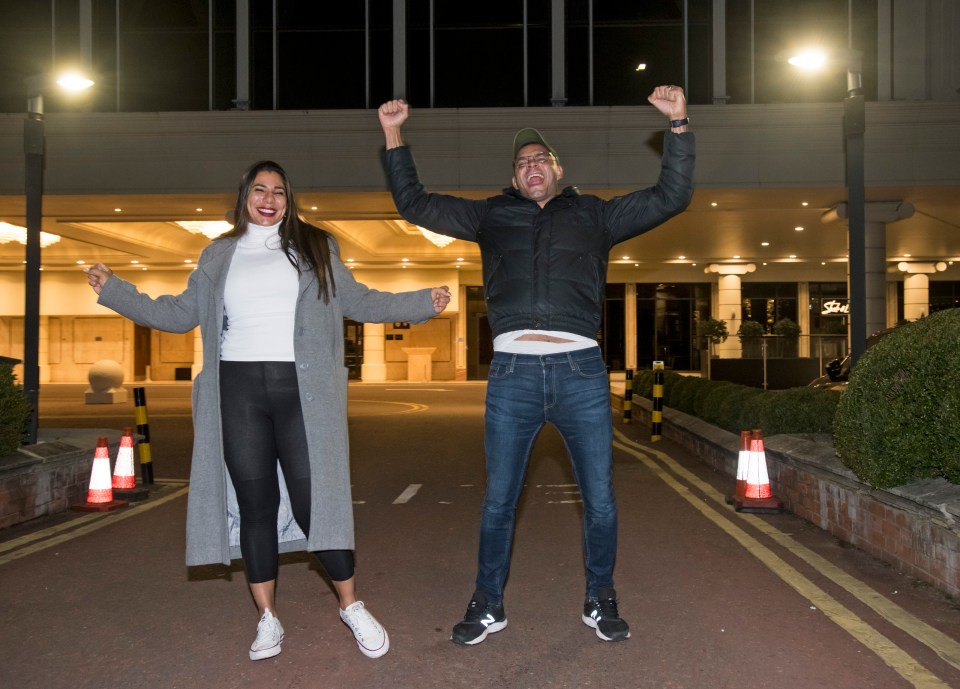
pixel 769 302
pixel 667 314
pixel 944 295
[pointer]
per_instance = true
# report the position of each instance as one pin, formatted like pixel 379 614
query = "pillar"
pixel 877 215
pixel 916 296
pixel 730 304
pixel 630 326
pixel 374 367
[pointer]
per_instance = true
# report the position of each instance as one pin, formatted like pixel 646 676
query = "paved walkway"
pixel 714 598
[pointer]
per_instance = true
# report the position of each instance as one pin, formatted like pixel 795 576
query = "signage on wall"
pixel 832 307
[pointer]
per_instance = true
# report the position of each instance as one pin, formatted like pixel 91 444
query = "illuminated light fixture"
pixel 714 204
pixel 730 269
pixel 72 81
pixel 405 260
pixel 438 240
pixel 798 228
pixel 809 60
pixel 764 243
pixel 642 66
pixel 117 210
pixel 905 267
pixel 804 203
pixel 15 233
pixel 208 228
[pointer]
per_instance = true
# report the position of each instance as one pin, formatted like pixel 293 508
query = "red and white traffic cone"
pixel 124 482
pixel 100 488
pixel 123 477
pixel 743 459
pixel 757 496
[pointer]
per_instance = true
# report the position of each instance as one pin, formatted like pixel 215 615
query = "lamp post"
pixel 854 125
pixel 33 149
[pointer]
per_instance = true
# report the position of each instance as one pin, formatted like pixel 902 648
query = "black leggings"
pixel 263 423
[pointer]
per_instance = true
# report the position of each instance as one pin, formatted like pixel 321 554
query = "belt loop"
pixel 570 360
pixel 513 361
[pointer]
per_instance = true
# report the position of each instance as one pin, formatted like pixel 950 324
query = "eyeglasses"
pixel 540 159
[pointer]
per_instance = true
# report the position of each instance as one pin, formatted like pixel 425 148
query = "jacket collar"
pixel 565 194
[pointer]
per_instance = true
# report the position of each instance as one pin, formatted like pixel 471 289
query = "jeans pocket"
pixel 594 367
pixel 498 371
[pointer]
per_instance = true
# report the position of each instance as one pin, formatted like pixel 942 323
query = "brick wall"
pixel 914 527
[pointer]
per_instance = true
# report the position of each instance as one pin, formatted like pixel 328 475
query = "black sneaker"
pixel 600 612
pixel 482 618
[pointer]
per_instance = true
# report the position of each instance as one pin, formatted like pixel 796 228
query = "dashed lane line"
pixel 891 654
pixel 407 494
pixel 91 526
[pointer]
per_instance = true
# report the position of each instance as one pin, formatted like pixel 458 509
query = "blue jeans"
pixel 524 392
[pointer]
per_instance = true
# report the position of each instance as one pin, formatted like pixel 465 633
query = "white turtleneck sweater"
pixel 259 298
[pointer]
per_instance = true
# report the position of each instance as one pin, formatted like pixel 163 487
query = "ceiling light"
pixel 438 240
pixel 682 258
pixel 798 228
pixel 405 260
pixel 208 228
pixel 117 210
pixel 642 66
pixel 804 203
pixel 15 233
pixel 764 243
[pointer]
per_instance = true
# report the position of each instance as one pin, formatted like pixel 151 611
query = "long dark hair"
pixel 306 246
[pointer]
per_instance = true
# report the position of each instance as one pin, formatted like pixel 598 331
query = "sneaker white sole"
pixel 495 627
pixel 376 652
pixel 592 623
pixel 265 653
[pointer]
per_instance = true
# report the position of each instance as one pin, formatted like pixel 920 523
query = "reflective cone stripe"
pixel 743 461
pixel 757 480
pixel 123 477
pixel 100 488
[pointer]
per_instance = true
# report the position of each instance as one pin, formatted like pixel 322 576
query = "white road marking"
pixel 406 495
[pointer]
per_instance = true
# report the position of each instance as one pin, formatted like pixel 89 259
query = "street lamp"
pixel 854 125
pixel 33 188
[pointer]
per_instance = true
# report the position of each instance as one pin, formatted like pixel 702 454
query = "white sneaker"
pixel 371 637
pixel 269 637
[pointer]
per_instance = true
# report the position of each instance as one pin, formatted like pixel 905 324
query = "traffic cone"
pixel 100 489
pixel 757 496
pixel 743 460
pixel 124 483
pixel 123 470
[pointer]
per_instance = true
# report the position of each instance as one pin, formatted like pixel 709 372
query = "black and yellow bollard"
pixel 656 417
pixel 143 429
pixel 628 397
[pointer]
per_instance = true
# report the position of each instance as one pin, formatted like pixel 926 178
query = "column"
pixel 877 215
pixel 460 372
pixel 43 349
pixel 630 325
pixel 916 287
pixel 916 296
pixel 374 367
pixel 803 320
pixel 730 303
pixel 197 354
pixel 558 56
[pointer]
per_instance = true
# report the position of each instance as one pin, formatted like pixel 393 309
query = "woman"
pixel 270 296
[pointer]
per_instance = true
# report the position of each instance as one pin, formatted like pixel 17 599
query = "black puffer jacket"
pixel 545 269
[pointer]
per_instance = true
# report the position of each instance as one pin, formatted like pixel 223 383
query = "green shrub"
pixel 14 412
pixel 899 419
pixel 798 410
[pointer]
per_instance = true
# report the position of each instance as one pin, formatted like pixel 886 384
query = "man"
pixel 545 253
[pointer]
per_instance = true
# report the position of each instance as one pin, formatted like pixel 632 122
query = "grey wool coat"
pixel 212 515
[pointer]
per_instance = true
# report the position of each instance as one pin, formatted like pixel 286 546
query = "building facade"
pixel 189 93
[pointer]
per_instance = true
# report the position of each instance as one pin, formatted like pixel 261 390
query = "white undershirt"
pixel 260 299
pixel 508 342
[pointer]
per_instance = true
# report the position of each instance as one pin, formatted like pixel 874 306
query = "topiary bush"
pixel 899 419
pixel 736 407
pixel 14 412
